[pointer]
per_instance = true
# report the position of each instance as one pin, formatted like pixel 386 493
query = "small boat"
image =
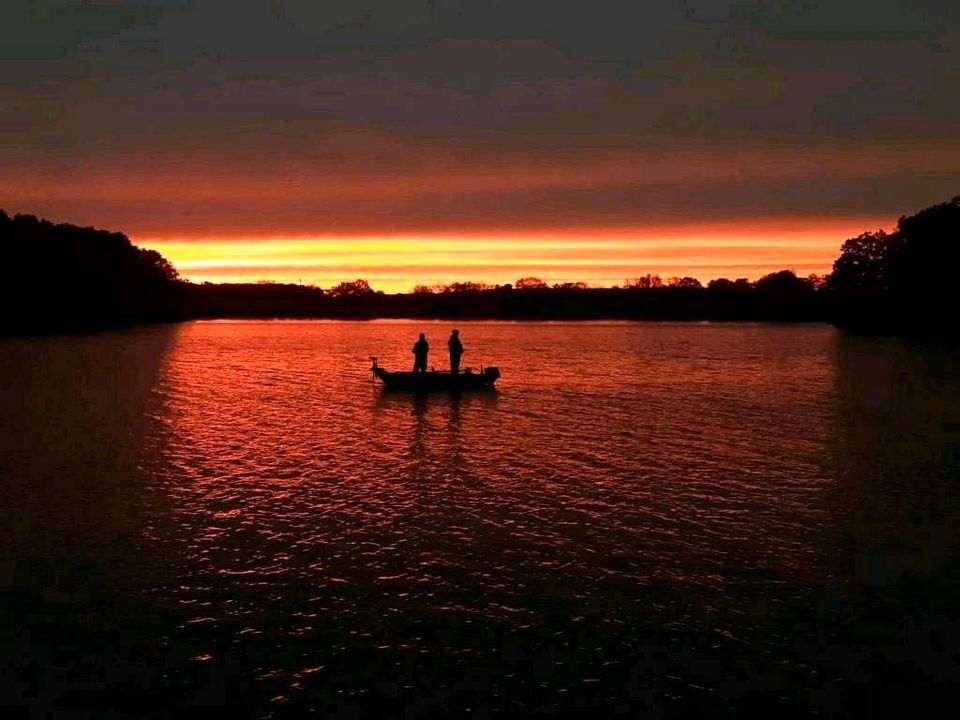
pixel 467 379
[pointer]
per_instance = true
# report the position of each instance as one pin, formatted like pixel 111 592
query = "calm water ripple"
pixel 644 519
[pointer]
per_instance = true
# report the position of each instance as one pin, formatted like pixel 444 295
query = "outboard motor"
pixel 375 367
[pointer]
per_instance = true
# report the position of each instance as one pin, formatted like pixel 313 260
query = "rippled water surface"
pixel 644 519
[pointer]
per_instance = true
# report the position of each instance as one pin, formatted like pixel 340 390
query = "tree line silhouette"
pixel 66 277
pixel 778 296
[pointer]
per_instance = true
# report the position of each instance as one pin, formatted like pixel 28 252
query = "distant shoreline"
pixel 780 297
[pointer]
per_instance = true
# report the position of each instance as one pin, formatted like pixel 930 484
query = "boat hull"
pixel 437 381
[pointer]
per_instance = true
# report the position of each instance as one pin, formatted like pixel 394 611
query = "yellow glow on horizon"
pixel 598 256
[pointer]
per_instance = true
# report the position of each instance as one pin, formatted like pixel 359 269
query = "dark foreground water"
pixel 652 520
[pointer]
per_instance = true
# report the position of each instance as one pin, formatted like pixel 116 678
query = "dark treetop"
pixel 64 277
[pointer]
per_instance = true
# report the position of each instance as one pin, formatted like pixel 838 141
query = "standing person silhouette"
pixel 456 350
pixel 420 349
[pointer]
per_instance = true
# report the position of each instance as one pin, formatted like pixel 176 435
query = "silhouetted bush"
pixel 784 296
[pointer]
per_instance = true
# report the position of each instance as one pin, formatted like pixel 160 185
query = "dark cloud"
pixel 389 86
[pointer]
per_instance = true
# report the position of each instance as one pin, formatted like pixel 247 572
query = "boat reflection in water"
pixel 434 380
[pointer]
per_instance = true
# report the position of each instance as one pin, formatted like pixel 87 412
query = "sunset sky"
pixel 427 141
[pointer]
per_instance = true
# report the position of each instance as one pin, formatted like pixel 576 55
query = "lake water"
pixel 645 519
